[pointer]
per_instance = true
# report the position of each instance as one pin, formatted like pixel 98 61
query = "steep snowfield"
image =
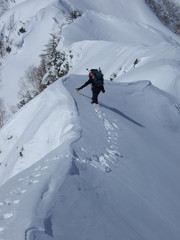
pixel 114 44
pixel 72 170
pixel 27 130
pixel 34 144
pixel 131 199
pixel 131 24
pixel 38 19
pixel 119 179
pixel 136 11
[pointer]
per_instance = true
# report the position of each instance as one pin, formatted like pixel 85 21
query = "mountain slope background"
pixel 72 170
pixel 136 31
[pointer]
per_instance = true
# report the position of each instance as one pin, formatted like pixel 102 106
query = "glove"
pixel 77 90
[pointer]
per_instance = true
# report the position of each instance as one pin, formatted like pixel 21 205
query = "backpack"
pixel 97 76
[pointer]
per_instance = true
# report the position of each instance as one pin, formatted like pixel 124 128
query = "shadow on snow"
pixel 115 111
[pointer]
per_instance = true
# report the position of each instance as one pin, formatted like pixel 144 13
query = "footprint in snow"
pixel 100 162
pixel 108 126
pixel 7 215
pixel 8 202
pixel 112 154
pixel 1 229
pixel 37 175
pixel 45 167
pixel 20 179
pixel 31 181
pixel 15 202
pixel 20 191
pixel 38 169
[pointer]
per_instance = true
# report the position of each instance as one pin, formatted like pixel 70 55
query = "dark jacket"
pixel 94 85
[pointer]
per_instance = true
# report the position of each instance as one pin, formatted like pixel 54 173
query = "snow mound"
pixel 96 26
pixel 40 127
pixel 108 170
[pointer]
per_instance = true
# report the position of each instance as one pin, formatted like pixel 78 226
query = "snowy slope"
pixel 124 40
pixel 29 130
pixel 119 179
pixel 33 145
pixel 177 1
pixel 130 24
pixel 72 170
pixel 38 19
pixel 135 198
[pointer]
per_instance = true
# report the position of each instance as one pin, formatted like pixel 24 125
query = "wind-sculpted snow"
pixel 41 127
pixel 129 26
pixel 39 20
pixel 73 170
pixel 96 26
pixel 124 186
pixel 98 40
pixel 110 173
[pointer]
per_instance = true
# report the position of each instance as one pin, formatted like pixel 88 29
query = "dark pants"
pixel 95 93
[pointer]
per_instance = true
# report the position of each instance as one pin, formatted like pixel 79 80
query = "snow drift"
pixel 72 170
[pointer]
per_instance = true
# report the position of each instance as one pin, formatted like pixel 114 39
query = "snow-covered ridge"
pixel 38 21
pixel 72 170
pixel 114 43
pixel 28 136
pixel 128 140
pixel 117 22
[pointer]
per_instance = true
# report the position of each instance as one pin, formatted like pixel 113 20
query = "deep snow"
pixel 135 30
pixel 72 170
pixel 119 179
pixel 39 20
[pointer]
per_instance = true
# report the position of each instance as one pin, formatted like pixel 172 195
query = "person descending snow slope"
pixel 97 81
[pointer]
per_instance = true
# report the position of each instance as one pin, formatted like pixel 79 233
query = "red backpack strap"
pixel 92 75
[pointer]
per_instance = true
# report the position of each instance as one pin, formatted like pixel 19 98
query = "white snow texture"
pixel 72 170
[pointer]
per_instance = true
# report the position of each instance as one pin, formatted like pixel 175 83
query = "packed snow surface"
pixel 73 170
pixel 127 29
pixel 119 179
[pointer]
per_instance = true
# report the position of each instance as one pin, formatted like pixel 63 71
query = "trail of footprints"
pixel 111 155
pixel 11 202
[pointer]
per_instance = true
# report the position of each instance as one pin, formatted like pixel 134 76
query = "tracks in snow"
pixel 111 155
pixel 10 201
